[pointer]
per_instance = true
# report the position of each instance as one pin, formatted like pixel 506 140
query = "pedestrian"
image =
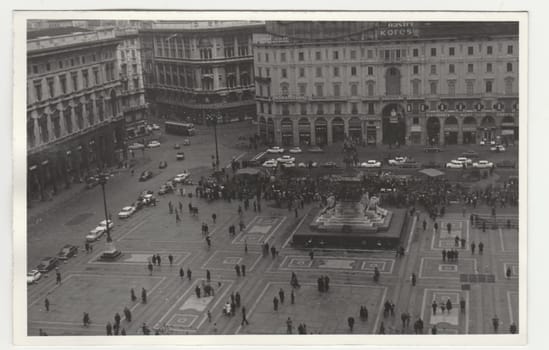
pixel 154 259
pixel 189 274
pixel 495 323
pixel 57 277
pixel 480 248
pixel 197 291
pixel 127 314
pixel 289 326
pixel 449 228
pixel 117 319
pixel 413 279
pixel 237 269
pixel 86 319
pixel 434 306
pixel 158 259
pixel 434 329
pixel 463 240
pixel 237 299
pixel 109 328
pixel 508 272
pixel 150 267
pixel 424 225
pixel 208 275
pixel 180 206
pixel 177 218
pixel 292 297
pixel 312 254
pixel 87 246
pixel 123 331
pixel 381 328
pixel 436 226
pixel 444 254
pixel 456 241
pixel 214 217
pixel 243 269
pixel 473 246
pixel 462 305
pixel 449 305
pixel 296 213
pixel 143 296
pixel 170 259
pixel 275 303
pixel 245 247
pixel 181 273
pixel 273 251
pixel 513 328
pixel 351 322
pixel 281 295
pixel 208 242
pixel 47 304
pixel 209 316
pixel 244 320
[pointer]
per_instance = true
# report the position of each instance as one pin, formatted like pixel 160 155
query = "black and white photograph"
pixel 261 175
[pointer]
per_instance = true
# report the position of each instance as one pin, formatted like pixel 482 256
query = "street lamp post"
pixel 213 119
pixel 102 182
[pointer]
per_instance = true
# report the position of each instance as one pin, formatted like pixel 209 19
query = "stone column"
pixel 295 131
pixel 237 80
pixel 330 133
pixel 460 131
pixel 441 134
pixel 346 127
pixel 277 131
pixel 313 132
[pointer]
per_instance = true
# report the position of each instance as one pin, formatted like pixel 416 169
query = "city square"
pixel 364 225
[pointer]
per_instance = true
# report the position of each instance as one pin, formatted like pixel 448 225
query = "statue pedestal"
pixel 110 253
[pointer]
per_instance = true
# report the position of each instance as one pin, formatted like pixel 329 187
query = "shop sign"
pixel 397 30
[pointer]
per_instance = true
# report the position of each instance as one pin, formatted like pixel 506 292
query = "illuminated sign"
pixel 397 29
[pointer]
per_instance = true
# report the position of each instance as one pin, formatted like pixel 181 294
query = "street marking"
pixel 456 291
pixel 131 230
pixel 501 240
pixel 296 228
pixel 148 293
pixel 379 312
pixel 421 264
pixel 411 234
pixel 509 304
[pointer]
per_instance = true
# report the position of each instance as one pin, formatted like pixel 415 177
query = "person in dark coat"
pixel 143 296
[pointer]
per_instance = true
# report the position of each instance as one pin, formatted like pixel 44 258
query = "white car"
pixel 136 145
pixel 295 150
pixel 155 127
pixel 497 148
pixel 483 164
pixel 398 160
pixel 275 149
pixel 33 276
pixel 179 178
pixel 371 164
pixel 95 234
pixel 485 142
pixel 456 164
pixel 302 165
pixel 465 160
pixel 288 165
pixel 153 144
pixel 286 159
pixel 271 163
pixel 104 224
pixel 126 212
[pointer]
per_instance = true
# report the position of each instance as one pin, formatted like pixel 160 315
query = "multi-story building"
pixel 132 99
pixel 195 69
pixel 74 121
pixel 387 82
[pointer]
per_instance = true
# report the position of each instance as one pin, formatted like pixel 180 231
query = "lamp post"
pixel 102 182
pixel 213 120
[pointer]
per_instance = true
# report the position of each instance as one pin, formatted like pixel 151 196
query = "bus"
pixel 185 129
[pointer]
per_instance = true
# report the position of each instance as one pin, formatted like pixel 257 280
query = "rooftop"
pixel 51 32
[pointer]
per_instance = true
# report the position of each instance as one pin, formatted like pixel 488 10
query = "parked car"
pixel 275 149
pixel 329 165
pixel 153 144
pixel 315 149
pixel 180 156
pixel 465 160
pixel 271 163
pixel 147 174
pixel 156 127
pixel 181 178
pixel 397 160
pixel 68 251
pixel 286 159
pixel 95 234
pixel 186 142
pixel 288 165
pixel 371 164
pixel 313 164
pixel 485 142
pixel 162 165
pixel 33 276
pixel 47 264
pixel 164 189
pixel 103 223
pixel 295 150
pixel 136 146
pixel 92 181
pixel 126 212
pixel 176 146
pixel 497 148
pixel 302 165
pixel 483 164
pixel 146 198
pixel 470 154
pixel 456 164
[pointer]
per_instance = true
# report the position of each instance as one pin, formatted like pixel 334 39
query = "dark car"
pixel 180 156
pixel 47 264
pixel 68 251
pixel 145 175
pixel 329 165
pixel 163 165
pixel 164 189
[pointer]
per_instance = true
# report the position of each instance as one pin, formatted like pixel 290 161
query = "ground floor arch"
pixel 433 131
pixel 469 129
pixel 304 130
pixel 338 129
pixel 451 131
pixel 488 129
pixel 393 124
pixel 321 131
pixel 286 128
pixel 355 129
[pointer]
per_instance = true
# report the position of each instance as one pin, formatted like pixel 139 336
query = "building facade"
pixel 74 121
pixel 196 69
pixel 132 98
pixel 425 83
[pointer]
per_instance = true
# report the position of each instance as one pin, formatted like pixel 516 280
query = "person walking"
pixel 189 274
pixel 143 296
pixel 109 328
pixel 292 297
pixel 244 319
pixel 312 254
pixel 495 323
pixel 245 247
pixel 289 326
pixel 434 306
pixel 424 225
pixel 150 267
pixel 508 272
pixel 132 295
pixel 57 277
pixel 449 305
pixel 414 279
pixel 127 314
pixel 462 305
pixel 237 269
pixel 449 228
pixel 214 217
pixel 444 255
pixel 117 319
pixel 181 273
pixel 170 259
pixel 281 295
pixel 513 328
pixel 243 269
pixel 208 276
pixel 86 319
pixel 237 299
pixel 480 248
pixel 434 329
pixel 275 304
pixel 47 304
pixel 351 323
pixel 209 242
pixel 473 246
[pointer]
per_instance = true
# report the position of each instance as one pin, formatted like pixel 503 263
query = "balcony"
pixel 289 98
